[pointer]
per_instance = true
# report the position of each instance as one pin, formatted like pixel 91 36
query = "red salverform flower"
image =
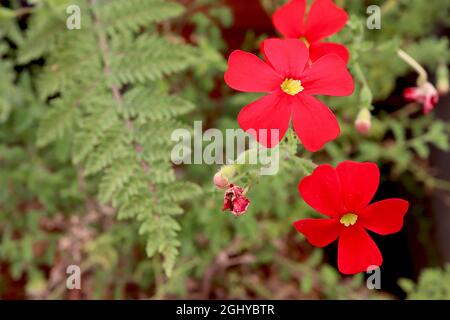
pixel 221 181
pixel 323 20
pixel 343 194
pixel 290 83
pixel 426 94
pixel 235 200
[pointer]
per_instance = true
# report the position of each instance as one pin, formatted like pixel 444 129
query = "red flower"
pixel 343 194
pixel 221 181
pixel 235 200
pixel 425 94
pixel 289 82
pixel 324 19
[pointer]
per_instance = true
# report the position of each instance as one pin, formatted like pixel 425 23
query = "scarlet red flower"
pixel 343 194
pixel 289 81
pixel 323 20
pixel 363 121
pixel 235 200
pixel 425 94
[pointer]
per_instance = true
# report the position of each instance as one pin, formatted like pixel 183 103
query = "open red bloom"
pixel 343 194
pixel 323 20
pixel 290 83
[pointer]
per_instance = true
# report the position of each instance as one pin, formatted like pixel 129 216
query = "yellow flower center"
pixel 349 219
pixel 291 86
pixel 305 41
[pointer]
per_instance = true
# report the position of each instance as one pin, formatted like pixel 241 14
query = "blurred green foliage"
pixel 433 284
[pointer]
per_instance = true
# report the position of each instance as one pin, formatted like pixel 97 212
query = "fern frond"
pixel 115 178
pixel 114 145
pixel 181 191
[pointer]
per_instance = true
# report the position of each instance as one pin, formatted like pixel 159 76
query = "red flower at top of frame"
pixel 343 194
pixel 324 19
pixel 290 82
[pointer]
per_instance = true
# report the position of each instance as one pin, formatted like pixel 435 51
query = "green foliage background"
pixel 85 174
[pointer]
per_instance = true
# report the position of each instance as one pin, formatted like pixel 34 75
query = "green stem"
pixel 360 73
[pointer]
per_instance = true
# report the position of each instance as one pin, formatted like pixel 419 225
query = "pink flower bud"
pixel 220 181
pixel 235 200
pixel 426 94
pixel 363 121
pixel 222 178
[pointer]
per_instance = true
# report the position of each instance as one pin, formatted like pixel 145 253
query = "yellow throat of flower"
pixel 305 41
pixel 348 219
pixel 291 86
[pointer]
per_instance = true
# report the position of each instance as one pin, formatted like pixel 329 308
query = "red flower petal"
pixel 246 72
pixel 384 217
pixel 269 112
pixel 319 232
pixel 319 49
pixel 324 19
pixel 314 123
pixel 357 251
pixel 359 182
pixel 288 19
pixel 328 76
pixel 322 191
pixel 288 57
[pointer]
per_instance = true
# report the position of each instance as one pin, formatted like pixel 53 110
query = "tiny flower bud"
pixel 234 200
pixel 442 79
pixel 363 121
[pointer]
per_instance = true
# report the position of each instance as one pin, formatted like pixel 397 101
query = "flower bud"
pixel 442 79
pixel 363 121
pixel 426 94
pixel 222 178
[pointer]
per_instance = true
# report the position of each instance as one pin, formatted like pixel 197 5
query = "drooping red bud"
pixel 426 94
pixel 235 200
